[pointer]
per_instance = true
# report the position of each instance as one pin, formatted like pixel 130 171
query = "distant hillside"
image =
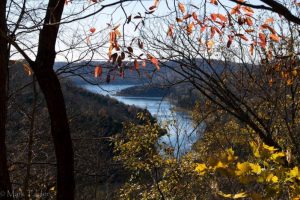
pixel 95 121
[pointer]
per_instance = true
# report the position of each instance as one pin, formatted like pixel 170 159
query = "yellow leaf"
pixel 276 156
pixel 240 195
pixel 269 148
pixel 230 155
pixel 255 168
pixel 242 168
pixel 255 150
pixel 272 178
pixel 220 165
pixel 200 168
pixel 293 173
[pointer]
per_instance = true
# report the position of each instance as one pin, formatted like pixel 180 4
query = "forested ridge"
pixel 95 121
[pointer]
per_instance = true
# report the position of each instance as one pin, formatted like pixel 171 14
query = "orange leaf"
pixel 266 26
pixel 144 63
pixel 136 64
pixel 213 17
pixel 274 37
pixel 249 30
pixel 235 10
pixel 190 28
pixel 210 44
pixel 249 21
pixel 222 17
pixel 181 7
pixel 263 40
pixel 269 20
pixel 242 36
pixel 247 9
pixel 215 2
pixel 98 71
pixel 155 62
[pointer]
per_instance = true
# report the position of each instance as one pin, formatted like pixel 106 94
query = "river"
pixel 182 132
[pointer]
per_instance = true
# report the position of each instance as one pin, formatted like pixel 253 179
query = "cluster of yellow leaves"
pixel 267 168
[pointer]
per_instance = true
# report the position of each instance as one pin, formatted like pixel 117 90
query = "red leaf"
pixel 230 39
pixel 170 31
pixel 92 30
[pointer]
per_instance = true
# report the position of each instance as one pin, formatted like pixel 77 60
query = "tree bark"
pixel 5 184
pixel 50 86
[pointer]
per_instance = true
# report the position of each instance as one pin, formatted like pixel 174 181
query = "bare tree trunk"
pixel 5 184
pixel 50 86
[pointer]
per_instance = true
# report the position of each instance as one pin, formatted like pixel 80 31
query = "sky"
pixel 78 36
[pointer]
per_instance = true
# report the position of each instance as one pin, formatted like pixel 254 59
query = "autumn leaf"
pixel 190 28
pixel 181 7
pixel 269 20
pixel 222 17
pixel 263 40
pixel 136 64
pixel 213 17
pixel 92 30
pixel 195 16
pixel 186 16
pixel 27 69
pixel 179 20
pixel 249 21
pixel 235 10
pixel 251 49
pixel 215 2
pixel 98 71
pixel 210 44
pixel 144 64
pixel 266 26
pixel 247 9
pixel 274 37
pixel 242 36
pixel 200 168
pixel 170 31
pixel 153 61
pixel 230 39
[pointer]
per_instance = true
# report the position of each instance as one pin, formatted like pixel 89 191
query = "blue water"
pixel 182 132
